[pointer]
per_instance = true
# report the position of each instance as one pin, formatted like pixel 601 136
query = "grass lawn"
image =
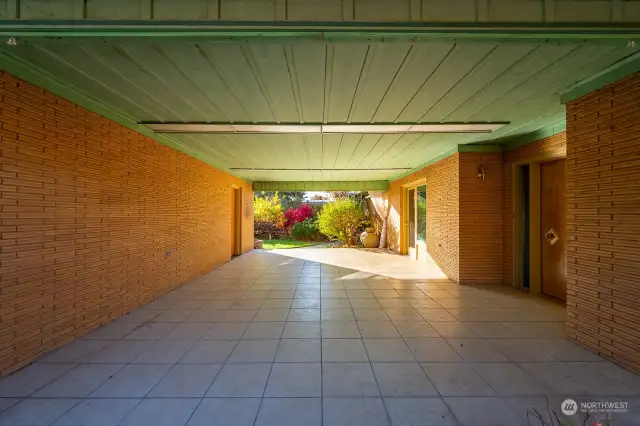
pixel 286 244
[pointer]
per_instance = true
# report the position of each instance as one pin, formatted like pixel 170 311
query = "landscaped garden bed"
pixel 290 221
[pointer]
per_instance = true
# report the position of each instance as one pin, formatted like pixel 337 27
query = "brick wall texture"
pixel 442 180
pixel 546 149
pixel 464 216
pixel 481 218
pixel 603 220
pixel 96 220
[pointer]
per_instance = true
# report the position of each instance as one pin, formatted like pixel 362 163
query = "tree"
pixel 268 210
pixel 340 219
pixel 287 199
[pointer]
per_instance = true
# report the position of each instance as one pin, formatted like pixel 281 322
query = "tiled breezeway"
pixel 291 339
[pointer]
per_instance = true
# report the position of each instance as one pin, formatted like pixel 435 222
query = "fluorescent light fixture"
pixel 232 128
pixel 365 128
pixel 248 169
pixel 455 128
pixel 275 128
pixel 190 128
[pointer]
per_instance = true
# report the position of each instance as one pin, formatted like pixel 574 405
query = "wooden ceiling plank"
pixel 350 142
pixel 349 60
pixel 552 79
pixel 527 68
pixel 421 62
pixel 205 147
pixel 138 79
pixel 383 144
pixel 309 62
pixel 462 60
pixel 197 67
pixel 273 70
pixel 231 64
pixel 396 149
pixel 386 63
pixel 172 75
pixel 490 68
pixel 111 86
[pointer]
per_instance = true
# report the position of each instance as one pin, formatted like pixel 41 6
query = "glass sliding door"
pixel 421 216
pixel 417 221
pixel 411 201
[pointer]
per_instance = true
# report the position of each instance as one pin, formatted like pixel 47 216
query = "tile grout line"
pixel 170 369
pixel 331 286
pixel 266 383
pixel 321 360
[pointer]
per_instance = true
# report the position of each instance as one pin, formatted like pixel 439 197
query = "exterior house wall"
pixel 464 216
pixel 96 220
pixel 481 218
pixel 603 220
pixel 442 180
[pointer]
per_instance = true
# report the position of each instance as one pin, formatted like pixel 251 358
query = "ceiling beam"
pixel 331 31
pixel 621 69
pixel 368 185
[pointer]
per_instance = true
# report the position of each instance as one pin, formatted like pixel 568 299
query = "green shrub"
pixel 268 210
pixel 305 230
pixel 340 219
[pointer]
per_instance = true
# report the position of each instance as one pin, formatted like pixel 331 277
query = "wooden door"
pixel 553 227
pixel 232 225
pixel 236 222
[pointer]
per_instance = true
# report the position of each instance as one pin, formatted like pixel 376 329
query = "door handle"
pixel 552 236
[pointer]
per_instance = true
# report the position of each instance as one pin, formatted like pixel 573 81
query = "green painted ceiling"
pixel 308 81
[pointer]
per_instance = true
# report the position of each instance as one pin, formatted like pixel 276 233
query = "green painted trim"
pixel 545 132
pixel 371 185
pixel 480 148
pixel 27 72
pixel 621 69
pixel 153 28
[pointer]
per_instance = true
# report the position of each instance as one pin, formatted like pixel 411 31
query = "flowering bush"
pixel 297 215
pixel 268 211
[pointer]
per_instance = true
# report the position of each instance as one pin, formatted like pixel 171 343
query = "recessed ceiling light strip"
pixel 227 128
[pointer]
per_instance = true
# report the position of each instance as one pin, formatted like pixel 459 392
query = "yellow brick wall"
pixel 89 211
pixel 442 179
pixel 481 219
pixel 603 220
pixel 464 216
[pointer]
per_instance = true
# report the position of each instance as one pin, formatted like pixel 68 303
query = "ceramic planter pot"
pixel 369 238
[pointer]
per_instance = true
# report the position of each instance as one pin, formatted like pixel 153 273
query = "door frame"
pixel 404 231
pixel 236 220
pixel 535 231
